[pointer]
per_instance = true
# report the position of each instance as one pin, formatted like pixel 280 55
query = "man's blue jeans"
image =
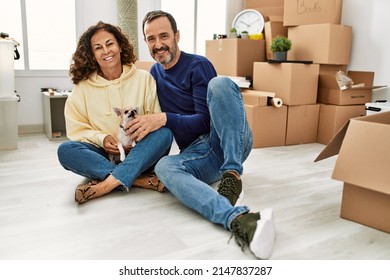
pixel 92 162
pixel 188 175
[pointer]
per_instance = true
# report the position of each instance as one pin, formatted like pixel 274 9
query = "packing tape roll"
pixel 275 101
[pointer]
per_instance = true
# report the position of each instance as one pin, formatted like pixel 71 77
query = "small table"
pixel 53 115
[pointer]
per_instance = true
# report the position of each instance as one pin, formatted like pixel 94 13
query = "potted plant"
pixel 279 46
pixel 233 33
pixel 244 35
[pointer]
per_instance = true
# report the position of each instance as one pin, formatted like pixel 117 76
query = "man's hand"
pixel 110 145
pixel 145 124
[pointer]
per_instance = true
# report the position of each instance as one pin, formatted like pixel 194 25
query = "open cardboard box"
pixel 333 117
pixel 329 91
pixel 363 162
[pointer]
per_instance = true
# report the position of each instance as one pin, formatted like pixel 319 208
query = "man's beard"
pixel 169 58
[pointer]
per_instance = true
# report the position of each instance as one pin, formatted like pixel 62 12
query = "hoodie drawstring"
pixel 109 108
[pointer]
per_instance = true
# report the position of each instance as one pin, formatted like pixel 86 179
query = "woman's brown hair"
pixel 83 61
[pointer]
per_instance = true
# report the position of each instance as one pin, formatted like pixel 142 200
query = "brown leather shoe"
pixel 85 192
pixel 149 181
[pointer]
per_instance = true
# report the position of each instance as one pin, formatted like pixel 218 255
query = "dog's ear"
pixel 117 111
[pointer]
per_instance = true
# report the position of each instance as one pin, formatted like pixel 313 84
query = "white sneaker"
pixel 257 230
pixel 262 244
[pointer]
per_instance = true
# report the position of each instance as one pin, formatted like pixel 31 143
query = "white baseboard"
pixel 29 129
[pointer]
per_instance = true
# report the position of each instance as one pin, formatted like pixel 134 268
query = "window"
pixel 211 20
pixel 197 20
pixel 49 39
pixel 183 12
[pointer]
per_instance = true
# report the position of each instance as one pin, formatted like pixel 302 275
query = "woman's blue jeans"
pixel 188 175
pixel 93 162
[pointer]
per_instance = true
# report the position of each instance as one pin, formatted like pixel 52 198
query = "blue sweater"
pixel 182 92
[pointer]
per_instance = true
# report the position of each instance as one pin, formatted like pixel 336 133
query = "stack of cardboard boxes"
pixel 316 107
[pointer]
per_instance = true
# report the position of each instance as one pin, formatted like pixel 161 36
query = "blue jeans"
pixel 93 162
pixel 188 175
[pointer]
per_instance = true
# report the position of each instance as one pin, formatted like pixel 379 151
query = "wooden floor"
pixel 40 220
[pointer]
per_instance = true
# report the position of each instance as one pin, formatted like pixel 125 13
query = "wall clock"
pixel 249 20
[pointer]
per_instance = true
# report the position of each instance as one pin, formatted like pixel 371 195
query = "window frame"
pixel 27 72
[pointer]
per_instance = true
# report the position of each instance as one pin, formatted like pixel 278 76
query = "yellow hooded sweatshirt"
pixel 89 112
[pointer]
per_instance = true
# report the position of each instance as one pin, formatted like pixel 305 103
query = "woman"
pixel 105 78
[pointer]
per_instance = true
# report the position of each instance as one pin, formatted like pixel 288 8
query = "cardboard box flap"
pixel 365 87
pixel 334 145
pixel 258 93
pixel 255 97
pixel 364 77
pixel 364 155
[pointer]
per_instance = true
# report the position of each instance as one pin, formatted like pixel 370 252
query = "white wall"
pixel 370 51
pixel 145 6
pixel 371 42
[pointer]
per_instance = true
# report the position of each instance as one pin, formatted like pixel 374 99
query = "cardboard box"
pixel 235 57
pixel 302 124
pixel 329 68
pixel 145 65
pixel 271 30
pixel 365 206
pixel 329 91
pixel 268 8
pixel 333 117
pixel 268 125
pixel 302 12
pixel 363 149
pixel 255 97
pixel 321 43
pixel 294 83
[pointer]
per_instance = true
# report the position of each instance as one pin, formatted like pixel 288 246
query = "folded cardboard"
pixel 363 149
pixel 268 125
pixel 302 12
pixel 321 43
pixel 294 83
pixel 271 30
pixel 256 97
pixel 302 124
pixel 333 117
pixel 235 57
pixel 329 91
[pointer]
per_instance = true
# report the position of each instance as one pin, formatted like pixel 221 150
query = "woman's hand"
pixel 110 145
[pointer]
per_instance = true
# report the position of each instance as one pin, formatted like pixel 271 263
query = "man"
pixel 207 116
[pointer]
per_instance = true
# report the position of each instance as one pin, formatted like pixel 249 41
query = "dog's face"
pixel 129 114
pixel 126 115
